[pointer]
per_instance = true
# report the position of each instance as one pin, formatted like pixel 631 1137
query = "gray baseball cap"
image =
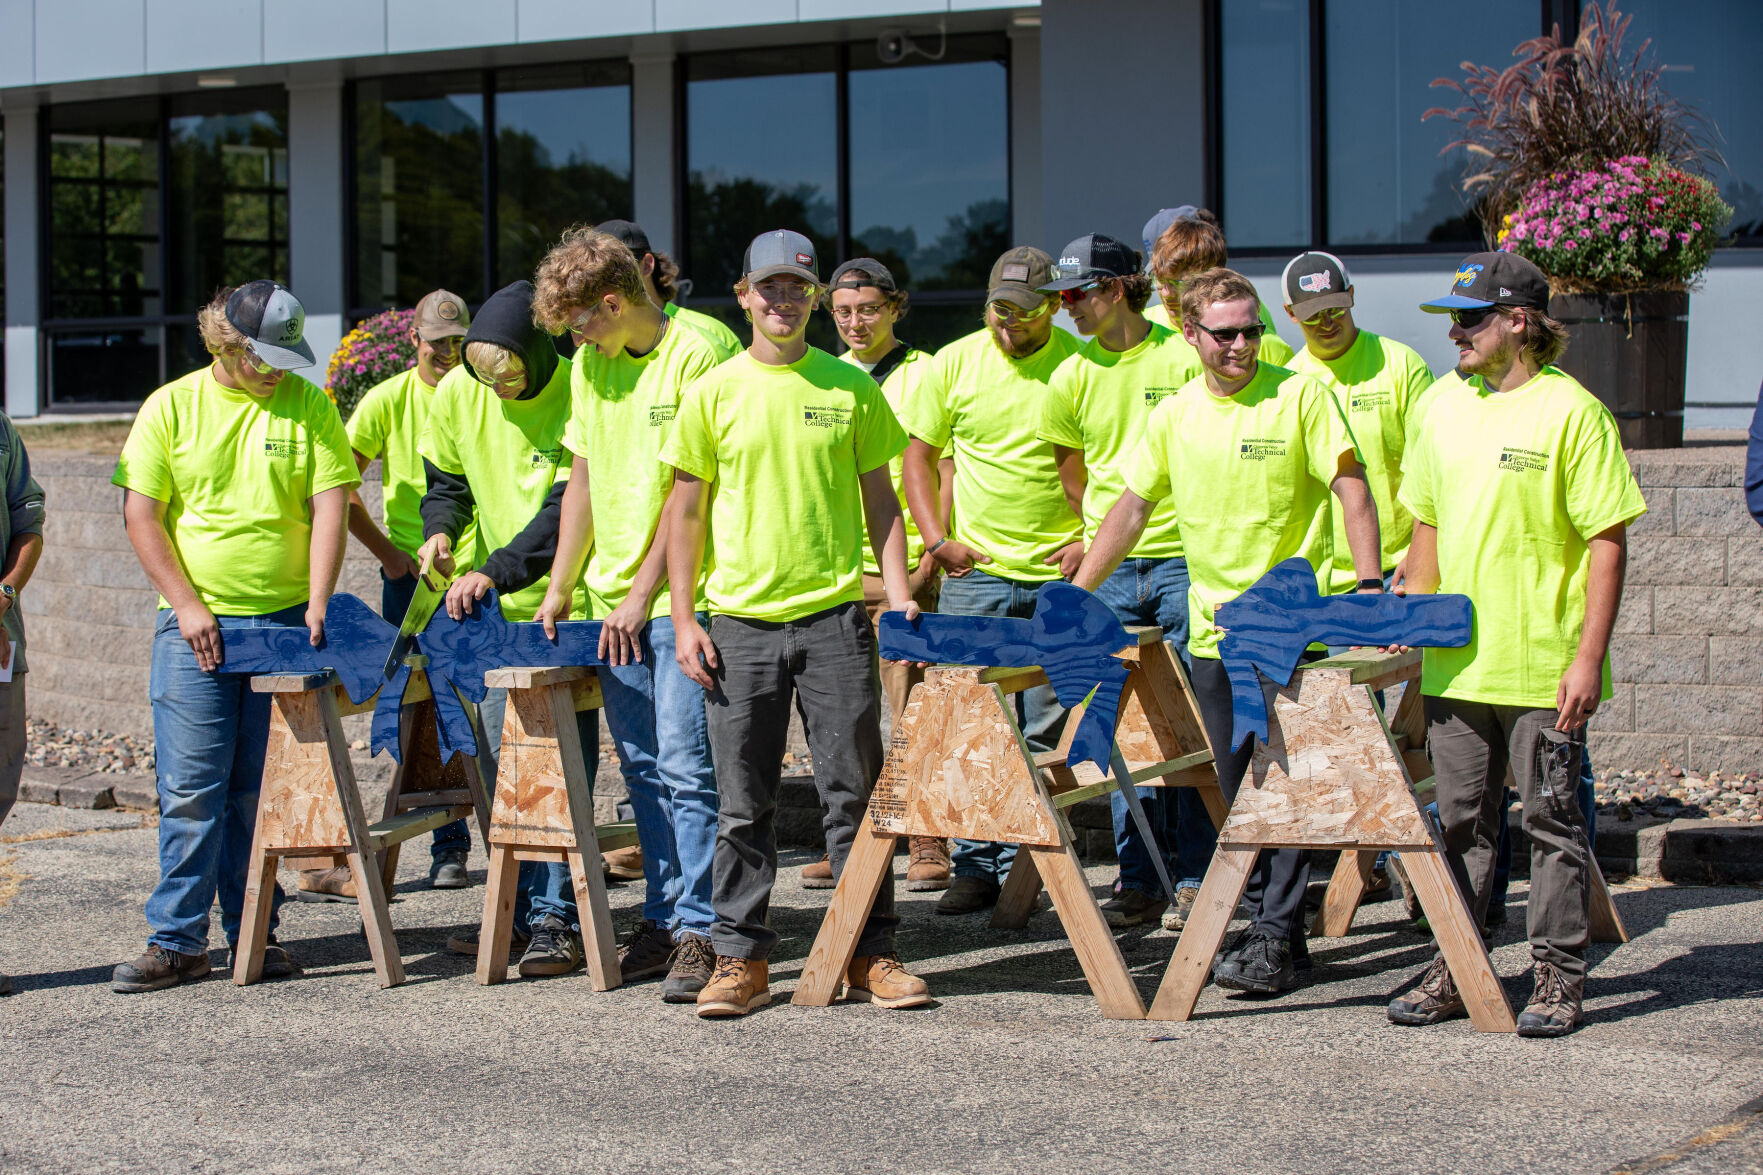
pixel 781 251
pixel 268 315
pixel 1155 226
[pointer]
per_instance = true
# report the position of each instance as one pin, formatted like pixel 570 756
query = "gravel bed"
pixel 1677 793
pixel 48 745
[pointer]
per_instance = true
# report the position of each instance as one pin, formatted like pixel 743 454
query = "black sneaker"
pixel 1262 963
pixel 277 963
pixel 645 953
pixel 554 950
pixel 1300 945
pixel 1434 999
pixel 968 895
pixel 448 871
pixel 1554 1005
pixel 157 968
pixel 1132 907
pixel 693 963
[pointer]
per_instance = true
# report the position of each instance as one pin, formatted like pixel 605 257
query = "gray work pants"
pixel 12 728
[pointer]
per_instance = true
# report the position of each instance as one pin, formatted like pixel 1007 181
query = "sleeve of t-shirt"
pixel 1059 424
pixel 1601 490
pixel 1327 436
pixel 371 422
pixel 333 462
pixel 1147 470
pixel 1417 473
pixel 1416 378
pixel 691 444
pixel 575 431
pixel 924 412
pixel 437 443
pixel 877 433
pixel 145 464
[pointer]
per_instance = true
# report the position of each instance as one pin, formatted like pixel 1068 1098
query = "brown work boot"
pixel 336 884
pixel 646 952
pixel 929 868
pixel 1434 998
pixel 465 942
pixel 736 987
pixel 157 968
pixel 1177 915
pixel 819 875
pixel 1133 907
pixel 881 979
pixel 626 864
pixel 1554 1005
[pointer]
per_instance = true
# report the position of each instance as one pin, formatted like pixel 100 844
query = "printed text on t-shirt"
pixel 829 416
pixel 1261 448
pixel 1515 460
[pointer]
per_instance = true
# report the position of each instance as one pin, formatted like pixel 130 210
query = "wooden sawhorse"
pixel 310 809
pixel 544 811
pixel 958 766
pixel 1407 725
pixel 1330 775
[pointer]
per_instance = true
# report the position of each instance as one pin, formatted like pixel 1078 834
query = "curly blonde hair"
pixel 218 334
pixel 584 266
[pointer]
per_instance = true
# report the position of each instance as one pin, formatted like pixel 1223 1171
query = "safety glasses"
pixel 1226 335
pixel 1322 316
pixel 255 362
pixel 1009 315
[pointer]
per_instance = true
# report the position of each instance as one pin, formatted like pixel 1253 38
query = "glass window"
pixel 1265 132
pixel 563 157
pixel 761 153
pixel 930 164
pixel 419 188
pixel 1388 184
pixel 1717 75
pixel 229 193
pixel 104 254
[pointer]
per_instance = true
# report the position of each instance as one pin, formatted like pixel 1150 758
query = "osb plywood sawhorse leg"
pixel 544 811
pixel 1160 738
pixel 1352 875
pixel 1329 776
pixel 310 810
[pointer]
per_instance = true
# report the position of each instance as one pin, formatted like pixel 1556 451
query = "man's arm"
pixel 930 495
pixel 887 537
pixel 325 559
pixel 143 519
pixel 1582 686
pixel 1422 577
pixel 621 633
pixel 397 564
pixel 689 506
pixel 447 506
pixel 1074 476
pixel 575 536
pixel 1359 513
pixel 521 562
pixel 1118 534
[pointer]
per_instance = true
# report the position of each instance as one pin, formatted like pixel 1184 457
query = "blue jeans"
pixel 1155 591
pixel 1038 711
pixel 210 734
pixel 544 886
pixel 395 597
pixel 656 714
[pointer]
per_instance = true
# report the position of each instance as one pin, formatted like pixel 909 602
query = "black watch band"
pixel 1375 582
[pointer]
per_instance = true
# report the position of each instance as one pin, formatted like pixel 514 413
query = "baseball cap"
pixel 781 251
pixel 1017 277
pixel 267 314
pixel 1493 279
pixel 1164 218
pixel 442 315
pixel 1090 257
pixel 628 231
pixel 859 272
pixel 1316 281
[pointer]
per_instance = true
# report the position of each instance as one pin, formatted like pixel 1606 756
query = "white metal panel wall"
pixel 17 43
pixel 203 34
pixel 413 26
pixel 314 30
pixel 563 20
pixel 90 39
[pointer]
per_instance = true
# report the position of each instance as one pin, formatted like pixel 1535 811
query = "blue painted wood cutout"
pixel 1072 636
pixel 1268 627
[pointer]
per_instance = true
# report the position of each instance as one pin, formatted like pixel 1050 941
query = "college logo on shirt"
pixel 1513 460
pixel 1154 396
pixel 660 414
pixel 827 417
pixel 1369 400
pixel 281 448
pixel 1261 448
pixel 546 457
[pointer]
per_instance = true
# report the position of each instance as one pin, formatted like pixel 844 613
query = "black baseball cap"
pixel 1090 257
pixel 1316 281
pixel 269 315
pixel 859 272
pixel 1017 278
pixel 1493 279
pixel 628 231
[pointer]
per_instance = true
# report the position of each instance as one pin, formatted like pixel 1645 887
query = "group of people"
pixel 739 511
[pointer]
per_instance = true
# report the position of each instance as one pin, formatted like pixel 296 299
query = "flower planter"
pixel 1630 350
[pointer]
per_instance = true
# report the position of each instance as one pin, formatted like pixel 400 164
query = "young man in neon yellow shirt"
pixel 385 426
pixel 1248 455
pixel 1014 532
pixel 785 426
pixel 632 365
pixel 236 483
pixel 1094 416
pixel 660 281
pixel 1521 498
pixel 1191 242
pixel 493 450
pixel 865 305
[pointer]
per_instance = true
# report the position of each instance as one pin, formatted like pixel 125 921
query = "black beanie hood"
pixel 507 321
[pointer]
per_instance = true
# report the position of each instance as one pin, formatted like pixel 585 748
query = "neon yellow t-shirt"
pixel 387 424
pixel 782 449
pixel 236 474
pixel 510 452
pixel 1098 402
pixel 1008 502
pixel 1274 349
pixel 622 409
pixel 725 341
pixel 901 381
pixel 1378 383
pixel 1250 477
pixel 1517 483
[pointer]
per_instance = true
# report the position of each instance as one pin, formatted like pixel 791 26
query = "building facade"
pixel 366 151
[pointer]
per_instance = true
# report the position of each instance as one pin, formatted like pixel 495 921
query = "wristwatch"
pixel 1373 582
pixel 10 592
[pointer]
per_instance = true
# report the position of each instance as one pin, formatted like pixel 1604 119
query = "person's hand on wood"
pixel 315 611
pixel 555 607
pixel 466 591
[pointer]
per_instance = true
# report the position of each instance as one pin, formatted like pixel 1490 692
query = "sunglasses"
pixel 1228 334
pixel 1470 319
pixel 1073 296
pixel 1009 315
pixel 1322 316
